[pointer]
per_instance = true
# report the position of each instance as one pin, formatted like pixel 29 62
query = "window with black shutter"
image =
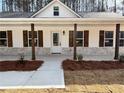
pixel 38 38
pixel 82 38
pixel 6 38
pixel 105 38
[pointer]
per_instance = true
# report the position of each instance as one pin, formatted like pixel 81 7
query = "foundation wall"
pixel 65 51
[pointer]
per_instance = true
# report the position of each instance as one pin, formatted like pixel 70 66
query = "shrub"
pixel 121 58
pixel 21 58
pixel 79 57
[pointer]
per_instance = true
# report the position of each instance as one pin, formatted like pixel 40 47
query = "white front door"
pixel 56 42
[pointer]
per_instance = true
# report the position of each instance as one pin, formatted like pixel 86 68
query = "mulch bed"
pixel 17 66
pixel 72 65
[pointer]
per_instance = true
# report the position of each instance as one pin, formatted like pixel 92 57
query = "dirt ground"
pixel 18 65
pixel 71 65
pixel 87 81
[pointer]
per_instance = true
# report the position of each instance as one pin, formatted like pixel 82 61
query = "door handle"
pixel 60 44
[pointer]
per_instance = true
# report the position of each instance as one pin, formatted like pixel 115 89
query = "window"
pixel 27 38
pixel 56 11
pixel 3 38
pixel 30 38
pixel 82 38
pixel 108 38
pixel 79 38
pixel 122 38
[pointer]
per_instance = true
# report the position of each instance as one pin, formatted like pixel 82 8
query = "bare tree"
pixel 122 7
pixel 92 5
pixel 76 5
pixel 9 5
pixel 115 6
pixel 39 4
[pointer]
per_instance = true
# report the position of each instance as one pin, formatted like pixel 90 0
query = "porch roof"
pixel 62 20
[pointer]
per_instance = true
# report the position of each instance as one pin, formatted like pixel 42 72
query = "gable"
pixel 48 11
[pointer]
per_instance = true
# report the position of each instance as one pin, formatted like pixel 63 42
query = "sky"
pixel 118 1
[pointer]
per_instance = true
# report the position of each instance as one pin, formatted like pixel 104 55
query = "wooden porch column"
pixel 117 41
pixel 33 42
pixel 74 42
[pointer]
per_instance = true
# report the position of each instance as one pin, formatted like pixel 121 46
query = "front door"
pixel 56 42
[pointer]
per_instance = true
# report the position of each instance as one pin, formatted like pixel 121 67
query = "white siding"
pixel 63 12
pixel 17 32
pixel 17 38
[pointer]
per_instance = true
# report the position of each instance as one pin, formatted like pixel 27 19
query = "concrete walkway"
pixel 50 75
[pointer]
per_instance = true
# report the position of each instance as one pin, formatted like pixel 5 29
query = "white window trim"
pixel 81 39
pixel 34 38
pixel 56 11
pixel 4 39
pixel 108 38
pixel 121 38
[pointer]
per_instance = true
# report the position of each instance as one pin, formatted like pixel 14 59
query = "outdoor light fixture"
pixel 63 32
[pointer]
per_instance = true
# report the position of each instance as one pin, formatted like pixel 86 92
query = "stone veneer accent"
pixel 25 51
pixel 65 51
pixel 92 51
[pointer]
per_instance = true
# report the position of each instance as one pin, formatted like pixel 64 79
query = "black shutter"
pixel 70 38
pixel 86 38
pixel 101 38
pixel 40 38
pixel 10 41
pixel 25 38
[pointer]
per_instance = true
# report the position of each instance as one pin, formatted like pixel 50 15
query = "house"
pixel 54 26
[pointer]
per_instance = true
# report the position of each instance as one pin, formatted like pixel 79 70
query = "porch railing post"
pixel 33 42
pixel 117 42
pixel 74 42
